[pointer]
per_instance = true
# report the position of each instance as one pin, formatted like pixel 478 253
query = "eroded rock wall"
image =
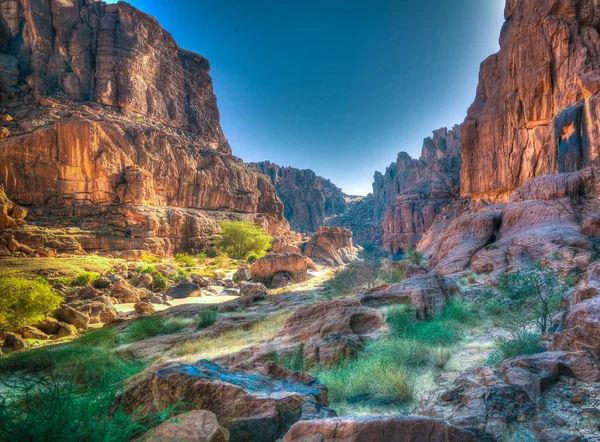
pixel 108 125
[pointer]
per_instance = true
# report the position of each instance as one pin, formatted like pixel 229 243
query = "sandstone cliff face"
pixel 110 126
pixel 413 192
pixel 307 198
pixel 536 110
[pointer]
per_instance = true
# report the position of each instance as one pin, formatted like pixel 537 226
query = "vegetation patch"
pixel 239 239
pixel 150 326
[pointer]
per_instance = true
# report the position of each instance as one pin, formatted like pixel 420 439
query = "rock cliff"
pixel 536 109
pixel 411 193
pixel 109 126
pixel 307 198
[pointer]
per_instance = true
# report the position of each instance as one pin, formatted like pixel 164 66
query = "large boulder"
pixel 579 329
pixel 195 426
pixel 272 268
pixel 257 405
pixel 331 246
pixel 68 314
pixel 377 429
pixel 11 214
pixel 184 290
pixel 428 294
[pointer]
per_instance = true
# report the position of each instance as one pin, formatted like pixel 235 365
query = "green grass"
pixel 385 371
pixel 67 392
pixel 185 260
pixel 85 278
pixel 53 268
pixel 151 326
pixel 206 318
pixel 506 348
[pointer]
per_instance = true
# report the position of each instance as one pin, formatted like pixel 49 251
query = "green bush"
pixel 252 258
pixel 24 302
pixel 185 260
pixel 525 344
pixel 151 326
pixel 241 238
pixel 85 278
pixel 150 269
pixel 149 259
pixel 415 257
pixel 206 318
pixel 159 281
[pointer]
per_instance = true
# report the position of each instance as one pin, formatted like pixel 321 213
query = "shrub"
pixel 150 269
pixel 414 256
pixel 159 281
pixel 85 278
pixel 149 259
pixel 241 238
pixel 393 272
pixel 221 260
pixel 185 260
pixel 355 275
pixel 525 344
pixel 532 296
pixel 151 326
pixel 206 318
pixel 471 279
pixel 24 302
pixel 252 258
pixel 201 257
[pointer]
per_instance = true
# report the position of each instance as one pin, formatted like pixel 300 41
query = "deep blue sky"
pixel 337 86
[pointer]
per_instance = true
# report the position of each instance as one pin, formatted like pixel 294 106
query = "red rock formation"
pixel 413 192
pixel 124 129
pixel 536 109
pixel 331 246
pixel 275 269
pixel 307 198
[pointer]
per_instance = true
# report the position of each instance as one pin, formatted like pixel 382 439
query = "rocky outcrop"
pixel 279 269
pixel 377 429
pixel 428 294
pixel 323 334
pixel 257 405
pixel 307 198
pixel 579 329
pixel 411 193
pixel 124 130
pixel 361 220
pixel 544 217
pixel 536 108
pixel 331 246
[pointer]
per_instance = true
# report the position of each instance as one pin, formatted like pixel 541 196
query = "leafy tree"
pixel 23 302
pixel 240 238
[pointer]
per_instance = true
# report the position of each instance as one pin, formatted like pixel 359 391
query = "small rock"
pixel 556 419
pixel 102 283
pixel 576 398
pixel 144 308
pixel 12 343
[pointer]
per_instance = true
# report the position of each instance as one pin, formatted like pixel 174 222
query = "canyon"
pixel 471 311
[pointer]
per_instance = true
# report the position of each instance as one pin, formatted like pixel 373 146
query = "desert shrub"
pixel 85 278
pixel 471 279
pixel 356 275
pixel 150 269
pixel 206 318
pixel 102 337
pixel 241 238
pixel 159 281
pixel 151 326
pixel 252 258
pixel 393 272
pixel 149 259
pixel 414 256
pixel 292 361
pixel 185 260
pixel 24 302
pixel 525 344
pixel 201 257
pixel 531 297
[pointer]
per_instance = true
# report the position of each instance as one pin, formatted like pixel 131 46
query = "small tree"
pixel 24 302
pixel 532 296
pixel 240 238
pixel 414 256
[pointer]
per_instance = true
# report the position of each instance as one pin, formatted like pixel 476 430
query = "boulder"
pixel 428 294
pixel 331 246
pixel 13 342
pixel 258 405
pixel 102 283
pixel 30 332
pixel 275 268
pixel 184 290
pixel 195 426
pixel 144 308
pixel 579 330
pixel 124 292
pixel 252 288
pixel 377 429
pixel 241 275
pixel 69 315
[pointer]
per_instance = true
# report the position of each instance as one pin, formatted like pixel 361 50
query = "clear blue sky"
pixel 337 86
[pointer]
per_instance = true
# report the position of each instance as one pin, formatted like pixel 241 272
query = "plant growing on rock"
pixel 241 238
pixel 185 260
pixel 414 256
pixel 24 302
pixel 252 258
pixel 159 281
pixel 85 278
